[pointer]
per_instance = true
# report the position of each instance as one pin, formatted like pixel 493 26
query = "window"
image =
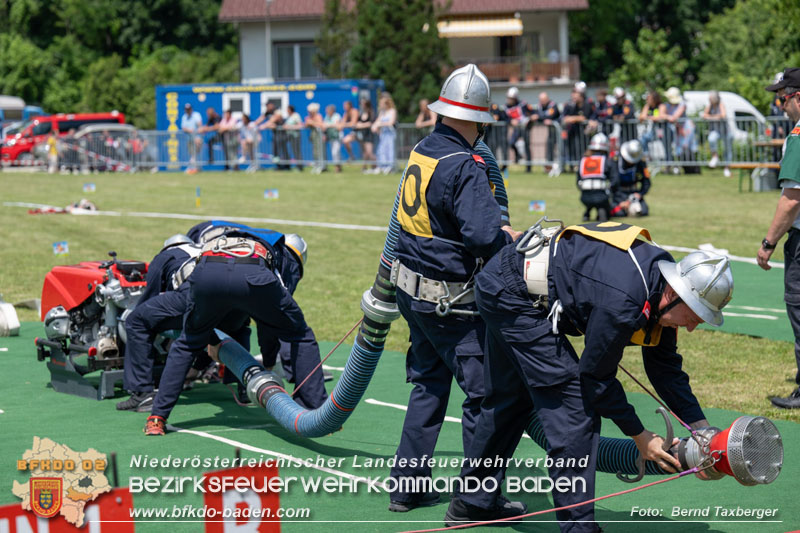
pixel 43 128
pixel 307 67
pixel 294 61
pixel 284 61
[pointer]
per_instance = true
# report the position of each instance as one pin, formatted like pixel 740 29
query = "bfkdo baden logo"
pixel 46 495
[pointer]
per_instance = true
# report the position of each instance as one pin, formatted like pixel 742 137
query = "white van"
pixel 742 116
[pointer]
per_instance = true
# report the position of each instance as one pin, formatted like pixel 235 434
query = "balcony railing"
pixel 517 68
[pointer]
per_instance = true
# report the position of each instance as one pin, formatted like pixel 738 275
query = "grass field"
pixel 730 373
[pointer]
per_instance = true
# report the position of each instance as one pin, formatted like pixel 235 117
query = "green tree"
pixel 597 34
pixel 649 64
pixel 24 68
pixel 397 41
pixel 335 40
pixel 763 45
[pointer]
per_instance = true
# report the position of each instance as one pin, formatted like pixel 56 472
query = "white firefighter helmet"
pixel 298 246
pixel 176 240
pixel 631 151
pixel 599 142
pixel 703 281
pixel 634 206
pixel 465 96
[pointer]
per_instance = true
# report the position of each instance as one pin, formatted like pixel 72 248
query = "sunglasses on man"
pixel 786 97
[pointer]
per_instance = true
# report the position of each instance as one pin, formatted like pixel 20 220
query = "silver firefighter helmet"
pixel 631 151
pixel 599 142
pixel 176 240
pixel 56 323
pixel 465 96
pixel 298 247
pixel 703 281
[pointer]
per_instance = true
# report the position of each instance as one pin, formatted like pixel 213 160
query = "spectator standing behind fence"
pixel 603 111
pixel 315 123
pixel 191 122
pixel 546 114
pixel 383 127
pixel 292 126
pixel 716 117
pixel 681 129
pixel 651 114
pixel 623 114
pixel 518 114
pixel 779 128
pixel 228 127
pixel 578 120
pixel 496 135
pixel 211 131
pixel 332 120
pixel 348 122
pixel 52 152
pixel 363 134
pixel 426 119
pixel 248 135
pixel 262 123
pixel 280 149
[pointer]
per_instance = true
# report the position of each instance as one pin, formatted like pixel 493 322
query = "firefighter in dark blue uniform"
pixel 607 282
pixel 597 177
pixel 633 182
pixel 158 309
pixel 238 273
pixel 449 222
pixel 291 271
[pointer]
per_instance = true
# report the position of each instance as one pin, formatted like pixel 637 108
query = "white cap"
pixel 513 92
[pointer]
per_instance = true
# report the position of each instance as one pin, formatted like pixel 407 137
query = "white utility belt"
pixel 428 290
pixel 232 246
pixel 592 184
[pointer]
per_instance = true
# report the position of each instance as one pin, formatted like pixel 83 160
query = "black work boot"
pixel 426 500
pixel 139 402
pixel 790 402
pixel 460 513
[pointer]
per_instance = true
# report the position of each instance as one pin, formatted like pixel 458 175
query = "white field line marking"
pixel 751 308
pixel 337 368
pixel 404 408
pixel 243 428
pixel 332 225
pixel 1 411
pixel 749 315
pixel 740 259
pixel 248 447
pixel 3 349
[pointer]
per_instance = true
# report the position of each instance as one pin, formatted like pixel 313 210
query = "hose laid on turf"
pixel 264 388
pixel 380 309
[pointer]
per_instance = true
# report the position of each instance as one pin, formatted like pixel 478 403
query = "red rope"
pixel 554 509
pixel 329 354
pixel 657 399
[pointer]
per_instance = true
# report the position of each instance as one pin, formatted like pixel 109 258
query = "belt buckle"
pixel 417 285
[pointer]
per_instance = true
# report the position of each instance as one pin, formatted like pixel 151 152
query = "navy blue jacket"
pixel 604 297
pixel 160 271
pixel 634 178
pixel 460 218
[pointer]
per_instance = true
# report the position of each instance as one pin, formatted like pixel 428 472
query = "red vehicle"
pixel 19 148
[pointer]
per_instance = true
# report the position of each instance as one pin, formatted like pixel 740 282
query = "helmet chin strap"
pixel 666 308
